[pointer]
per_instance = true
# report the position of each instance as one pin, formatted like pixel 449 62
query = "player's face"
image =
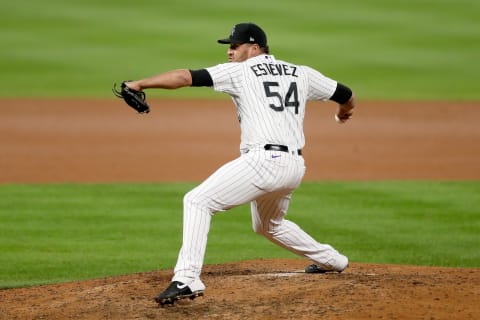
pixel 239 52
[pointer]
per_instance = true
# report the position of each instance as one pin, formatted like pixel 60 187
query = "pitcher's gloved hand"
pixel 135 99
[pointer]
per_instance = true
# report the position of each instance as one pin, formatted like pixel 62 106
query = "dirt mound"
pixel 262 289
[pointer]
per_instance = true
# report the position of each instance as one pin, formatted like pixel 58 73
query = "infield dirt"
pixel 50 141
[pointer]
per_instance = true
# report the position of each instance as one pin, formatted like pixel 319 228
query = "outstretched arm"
pixel 168 80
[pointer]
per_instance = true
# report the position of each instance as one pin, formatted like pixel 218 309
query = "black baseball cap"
pixel 246 33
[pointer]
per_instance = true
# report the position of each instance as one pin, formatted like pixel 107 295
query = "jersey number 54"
pixel 290 99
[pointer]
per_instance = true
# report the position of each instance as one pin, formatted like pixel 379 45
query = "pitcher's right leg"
pixel 268 220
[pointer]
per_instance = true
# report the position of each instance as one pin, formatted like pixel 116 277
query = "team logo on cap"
pixel 233 31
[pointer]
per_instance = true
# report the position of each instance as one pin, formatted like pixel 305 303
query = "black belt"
pixel 279 147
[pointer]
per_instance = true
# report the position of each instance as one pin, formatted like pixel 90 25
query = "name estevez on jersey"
pixel 274 69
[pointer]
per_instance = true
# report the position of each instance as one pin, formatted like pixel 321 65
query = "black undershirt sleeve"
pixel 342 94
pixel 201 78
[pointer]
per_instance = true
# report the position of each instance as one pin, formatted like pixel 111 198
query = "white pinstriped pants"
pixel 267 180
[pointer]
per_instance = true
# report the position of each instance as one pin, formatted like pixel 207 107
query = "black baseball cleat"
pixel 313 268
pixel 176 291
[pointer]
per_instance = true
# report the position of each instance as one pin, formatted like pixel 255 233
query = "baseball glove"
pixel 135 99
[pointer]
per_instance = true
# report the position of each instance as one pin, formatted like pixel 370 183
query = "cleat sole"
pixel 171 301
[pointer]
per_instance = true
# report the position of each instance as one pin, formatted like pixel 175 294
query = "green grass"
pixel 396 50
pixel 54 233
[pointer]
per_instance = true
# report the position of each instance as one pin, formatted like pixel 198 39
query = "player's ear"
pixel 255 47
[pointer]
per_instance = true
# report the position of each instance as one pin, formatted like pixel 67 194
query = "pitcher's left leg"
pixel 230 186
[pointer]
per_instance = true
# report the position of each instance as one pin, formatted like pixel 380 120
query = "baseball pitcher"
pixel 270 97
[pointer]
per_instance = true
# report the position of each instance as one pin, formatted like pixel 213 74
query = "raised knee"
pixel 188 198
pixel 192 199
pixel 195 200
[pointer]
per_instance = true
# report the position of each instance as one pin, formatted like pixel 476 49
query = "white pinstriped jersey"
pixel 270 96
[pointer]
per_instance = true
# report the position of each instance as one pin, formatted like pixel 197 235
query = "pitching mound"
pixel 262 289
